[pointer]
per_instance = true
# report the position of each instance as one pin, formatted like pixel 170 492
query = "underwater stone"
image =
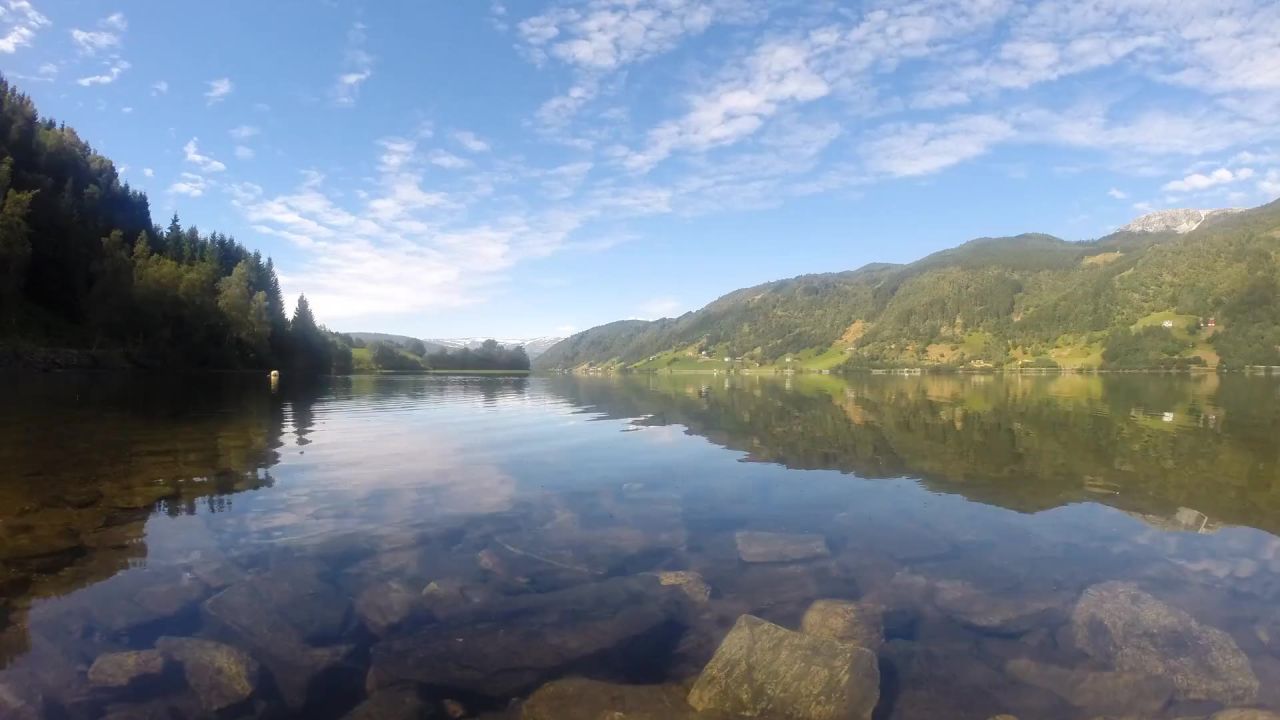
pixel 220 675
pixel 763 670
pixel 583 699
pixel 1120 693
pixel 398 703
pixel 769 547
pixel 859 623
pixel 121 669
pixel 1118 623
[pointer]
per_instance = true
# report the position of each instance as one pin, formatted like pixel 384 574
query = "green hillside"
pixel 1030 300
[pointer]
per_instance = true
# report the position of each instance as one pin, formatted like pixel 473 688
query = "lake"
pixel 1066 546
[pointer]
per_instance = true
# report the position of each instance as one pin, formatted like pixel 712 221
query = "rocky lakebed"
pixel 566 622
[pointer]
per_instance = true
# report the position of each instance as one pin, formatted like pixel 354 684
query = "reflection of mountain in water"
pixel 1148 445
pixel 89 459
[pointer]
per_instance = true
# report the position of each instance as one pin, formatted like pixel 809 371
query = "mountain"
pixel 1177 221
pixel 1172 289
pixel 368 338
pixel 532 346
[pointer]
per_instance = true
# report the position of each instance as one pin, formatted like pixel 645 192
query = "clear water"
pixel 345 535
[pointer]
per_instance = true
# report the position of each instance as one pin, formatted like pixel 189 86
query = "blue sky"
pixel 516 169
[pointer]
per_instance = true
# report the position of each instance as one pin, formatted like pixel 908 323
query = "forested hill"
pixel 86 275
pixel 1160 294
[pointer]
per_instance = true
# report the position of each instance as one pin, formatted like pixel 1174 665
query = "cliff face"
pixel 1176 221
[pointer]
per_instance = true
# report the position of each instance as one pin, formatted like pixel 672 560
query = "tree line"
pixel 413 355
pixel 82 266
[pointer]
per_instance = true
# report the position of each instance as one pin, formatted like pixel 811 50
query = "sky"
pixel 514 169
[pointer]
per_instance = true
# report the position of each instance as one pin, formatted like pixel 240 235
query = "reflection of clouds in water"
pixel 663 434
pixel 407 464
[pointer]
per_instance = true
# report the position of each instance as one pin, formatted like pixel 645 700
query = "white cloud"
pixel 357 68
pixel 1196 182
pixel 114 70
pixel 243 132
pixel 189 184
pixel 1270 185
pixel 470 141
pixel 159 87
pixel 1118 194
pixel 218 90
pixel 21 22
pixel 448 160
pixel 91 41
pixel 192 153
pixel 243 152
pixel 560 109
pixel 926 148
pixel 410 243
pixel 607 34
pixel 777 74
pixel 148 172
pixel 396 153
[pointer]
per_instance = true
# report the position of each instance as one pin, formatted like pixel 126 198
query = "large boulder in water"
pixel 1111 692
pixel 220 675
pixel 994 613
pixel 279 616
pixel 1120 624
pixel 763 670
pixel 512 644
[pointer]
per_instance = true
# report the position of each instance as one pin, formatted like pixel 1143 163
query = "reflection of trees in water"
pixel 89 459
pixel 1149 444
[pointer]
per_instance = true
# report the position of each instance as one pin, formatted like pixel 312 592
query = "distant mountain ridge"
pixel 1170 289
pixel 532 346
pixel 1179 221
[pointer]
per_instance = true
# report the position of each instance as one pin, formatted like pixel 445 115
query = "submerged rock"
pixel 763 670
pixel 1118 623
pixel 690 582
pixel 278 617
pixel 994 613
pixel 501 648
pixel 450 597
pixel 1120 693
pixel 769 547
pixel 311 608
pixel 582 699
pixel 386 606
pixel 121 669
pixel 398 703
pixel 220 675
pixel 859 623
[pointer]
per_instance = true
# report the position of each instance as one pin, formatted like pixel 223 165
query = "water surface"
pixel 479 537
